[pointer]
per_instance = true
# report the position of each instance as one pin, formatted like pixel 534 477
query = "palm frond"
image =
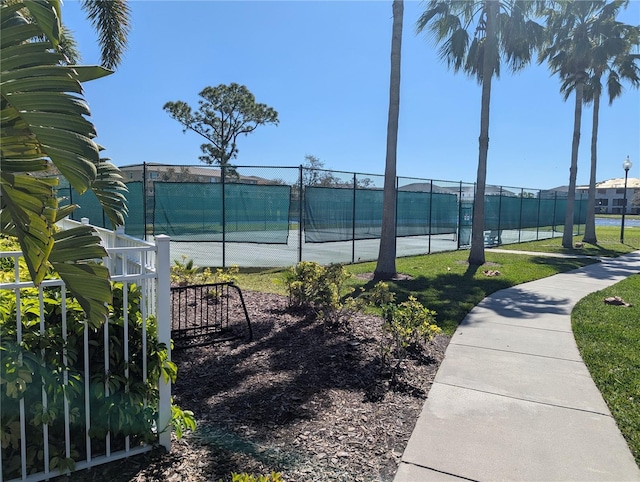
pixel 111 19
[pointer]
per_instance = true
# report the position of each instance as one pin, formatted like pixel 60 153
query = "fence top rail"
pixel 10 254
pixel 48 283
pixel 130 249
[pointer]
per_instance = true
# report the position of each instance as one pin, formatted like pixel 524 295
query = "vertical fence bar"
pixel 164 336
pixel 460 212
pixel 520 218
pixel 45 401
pixel 65 362
pixel 224 217
pixel 430 213
pixel 105 340
pixel 144 200
pixel 555 203
pixel 538 216
pixel 300 214
pixel 125 332
pixel 353 222
pixel 87 391
pixel 23 428
pixel 499 214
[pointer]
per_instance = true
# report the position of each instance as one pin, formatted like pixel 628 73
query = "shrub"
pixel 244 477
pixel 411 327
pixel 184 272
pixel 321 289
pixel 380 295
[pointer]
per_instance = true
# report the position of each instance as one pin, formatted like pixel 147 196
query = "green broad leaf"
pixel 24 165
pixel 64 211
pixel 66 140
pixel 69 122
pixel 80 243
pixel 85 73
pixel 17 34
pixel 36 83
pixel 79 171
pixel 49 102
pixel 21 53
pixel 110 191
pixel 47 15
pixel 89 283
pixel 32 204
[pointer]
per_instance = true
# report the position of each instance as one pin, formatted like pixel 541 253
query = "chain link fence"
pixel 256 216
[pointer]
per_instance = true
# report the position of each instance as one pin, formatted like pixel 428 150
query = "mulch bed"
pixel 303 399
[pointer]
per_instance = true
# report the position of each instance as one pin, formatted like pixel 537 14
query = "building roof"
pixel 632 183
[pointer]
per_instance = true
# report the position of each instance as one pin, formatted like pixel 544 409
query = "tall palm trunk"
pixel 386 266
pixel 476 254
pixel 567 235
pixel 590 223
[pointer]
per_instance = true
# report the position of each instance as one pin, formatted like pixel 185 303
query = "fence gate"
pixel 208 313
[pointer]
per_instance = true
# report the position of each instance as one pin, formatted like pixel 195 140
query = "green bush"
pixel 184 272
pixel 244 477
pixel 320 289
pixel 380 295
pixel 50 358
pixel 411 326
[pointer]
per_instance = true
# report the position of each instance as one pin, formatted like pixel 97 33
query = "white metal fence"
pixel 130 261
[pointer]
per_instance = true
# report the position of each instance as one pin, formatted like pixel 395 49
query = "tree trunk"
pixel 567 235
pixel 590 223
pixel 476 254
pixel 386 266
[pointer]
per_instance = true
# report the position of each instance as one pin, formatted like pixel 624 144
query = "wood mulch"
pixel 309 401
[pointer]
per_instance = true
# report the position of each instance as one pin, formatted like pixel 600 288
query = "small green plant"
pixel 181 420
pixel 320 289
pixel 380 295
pixel 183 272
pixel 411 327
pixel 244 477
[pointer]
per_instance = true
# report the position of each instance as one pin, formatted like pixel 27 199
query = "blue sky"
pixel 324 66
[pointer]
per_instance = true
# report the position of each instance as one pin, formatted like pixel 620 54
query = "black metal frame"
pixel 200 314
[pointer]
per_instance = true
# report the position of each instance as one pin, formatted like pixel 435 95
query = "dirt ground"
pixel 312 402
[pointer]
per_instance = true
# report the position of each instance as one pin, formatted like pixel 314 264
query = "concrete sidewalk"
pixel 513 400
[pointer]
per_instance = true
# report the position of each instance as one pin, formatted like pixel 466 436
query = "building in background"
pixel 610 195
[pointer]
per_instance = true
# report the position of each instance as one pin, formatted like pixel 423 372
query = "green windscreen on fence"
pixel 516 212
pixel 134 221
pixel 423 213
pixel 331 214
pixel 190 211
pixel 88 206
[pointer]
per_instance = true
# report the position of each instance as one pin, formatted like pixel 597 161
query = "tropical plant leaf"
pixel 110 191
pixel 47 15
pixel 88 280
pixel 32 205
pixel 42 116
pixel 69 146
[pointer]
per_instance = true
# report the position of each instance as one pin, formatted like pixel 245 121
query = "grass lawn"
pixel 608 337
pixel 445 283
pixel 608 243
pixel 442 282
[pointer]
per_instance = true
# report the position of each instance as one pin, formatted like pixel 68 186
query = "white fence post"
pixel 163 295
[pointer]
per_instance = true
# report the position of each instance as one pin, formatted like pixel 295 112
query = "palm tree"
pixel 386 265
pixel 43 121
pixel 111 19
pixel 612 55
pixel 573 28
pixel 501 29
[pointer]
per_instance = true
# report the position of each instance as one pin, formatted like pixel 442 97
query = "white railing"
pixel 130 261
